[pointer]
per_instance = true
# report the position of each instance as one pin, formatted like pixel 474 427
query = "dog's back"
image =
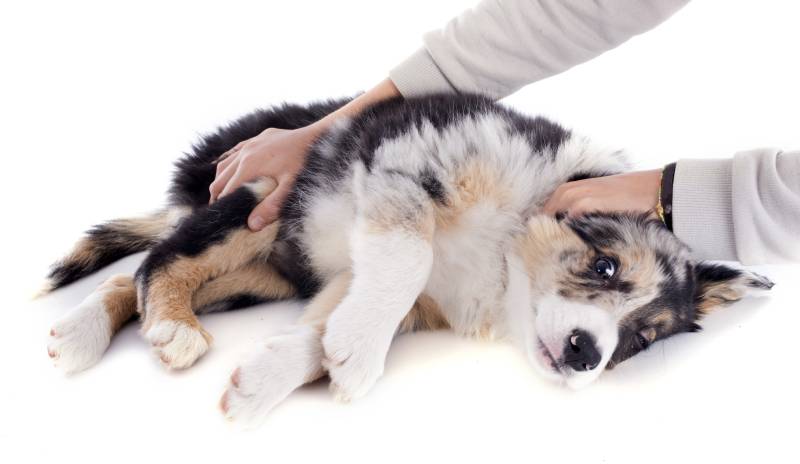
pixel 189 191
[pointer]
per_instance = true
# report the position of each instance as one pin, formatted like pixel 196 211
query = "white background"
pixel 97 99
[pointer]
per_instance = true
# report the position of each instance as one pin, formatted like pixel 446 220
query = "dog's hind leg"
pixel 283 362
pixel 79 339
pixel 211 242
pixel 254 283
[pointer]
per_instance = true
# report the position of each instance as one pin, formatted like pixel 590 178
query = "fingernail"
pixel 257 223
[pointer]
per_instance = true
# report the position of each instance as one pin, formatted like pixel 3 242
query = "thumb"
pixel 267 211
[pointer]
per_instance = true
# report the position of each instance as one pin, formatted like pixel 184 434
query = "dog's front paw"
pixel 178 344
pixel 78 340
pixel 354 359
pixel 268 376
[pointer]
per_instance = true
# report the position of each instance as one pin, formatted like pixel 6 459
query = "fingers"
pixel 550 207
pixel 569 199
pixel 228 153
pixel 235 180
pixel 267 211
pixel 225 171
pixel 230 157
pixel 555 203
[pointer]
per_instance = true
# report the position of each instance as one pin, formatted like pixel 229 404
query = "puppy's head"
pixel 606 286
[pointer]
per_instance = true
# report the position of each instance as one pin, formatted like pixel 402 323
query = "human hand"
pixel 280 154
pixel 276 153
pixel 631 191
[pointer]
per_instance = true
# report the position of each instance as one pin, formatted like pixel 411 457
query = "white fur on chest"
pixel 327 231
pixel 469 270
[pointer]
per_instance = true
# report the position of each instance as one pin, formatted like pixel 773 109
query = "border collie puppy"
pixel 417 214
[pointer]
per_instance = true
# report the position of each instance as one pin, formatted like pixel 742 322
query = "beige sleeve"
pixel 746 208
pixel 500 46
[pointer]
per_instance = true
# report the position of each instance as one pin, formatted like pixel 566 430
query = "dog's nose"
pixel 580 352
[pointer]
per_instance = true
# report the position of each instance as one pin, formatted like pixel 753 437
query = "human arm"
pixel 501 45
pixel 494 48
pixel 745 208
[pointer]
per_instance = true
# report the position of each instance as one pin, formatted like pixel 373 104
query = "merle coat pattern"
pixel 417 214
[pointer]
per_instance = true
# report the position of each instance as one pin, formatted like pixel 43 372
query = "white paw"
pixel 354 359
pixel 78 340
pixel 178 344
pixel 281 365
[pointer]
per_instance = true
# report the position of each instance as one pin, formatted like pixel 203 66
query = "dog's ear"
pixel 719 285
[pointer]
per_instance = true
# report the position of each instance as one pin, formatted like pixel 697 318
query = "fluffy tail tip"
pixel 47 288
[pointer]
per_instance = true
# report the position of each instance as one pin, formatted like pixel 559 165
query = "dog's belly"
pixel 467 279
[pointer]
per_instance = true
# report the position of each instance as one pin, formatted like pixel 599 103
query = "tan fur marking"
pixel 664 319
pixel 254 279
pixel 650 334
pixel 322 305
pixel 475 182
pixel 120 300
pixel 424 315
pixel 151 226
pixel 422 223
pixel 170 289
pixel 718 294
pixel 83 254
pixel 639 266
pixel 545 242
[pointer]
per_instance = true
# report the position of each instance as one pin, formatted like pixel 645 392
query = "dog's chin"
pixel 578 380
pixel 548 366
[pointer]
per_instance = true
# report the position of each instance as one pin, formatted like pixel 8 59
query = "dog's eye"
pixel 605 267
pixel 645 337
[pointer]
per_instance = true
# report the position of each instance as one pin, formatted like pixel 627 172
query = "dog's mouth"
pixel 545 358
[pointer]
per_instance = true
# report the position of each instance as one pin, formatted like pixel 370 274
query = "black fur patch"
pixel 581 175
pixel 710 272
pixel 603 229
pixel 234 302
pixel 291 262
pixel 433 186
pixel 196 170
pixel 204 228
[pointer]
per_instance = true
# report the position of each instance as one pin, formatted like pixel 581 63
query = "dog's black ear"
pixel 719 285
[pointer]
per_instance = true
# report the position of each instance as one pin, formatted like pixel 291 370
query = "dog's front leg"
pixel 390 269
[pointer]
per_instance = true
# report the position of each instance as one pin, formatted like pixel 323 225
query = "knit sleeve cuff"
pixel 702 212
pixel 419 75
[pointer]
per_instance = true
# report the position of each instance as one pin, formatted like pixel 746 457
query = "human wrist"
pixel 384 90
pixel 646 189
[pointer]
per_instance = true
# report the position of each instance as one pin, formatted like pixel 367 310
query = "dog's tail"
pixel 105 243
